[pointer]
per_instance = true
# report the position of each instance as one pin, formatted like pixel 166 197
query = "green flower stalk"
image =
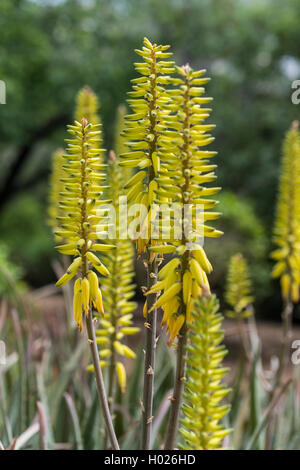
pixel 185 170
pixel 79 202
pixel 201 427
pixel 144 132
pixel 238 288
pixel 239 297
pixel 118 290
pixel 286 236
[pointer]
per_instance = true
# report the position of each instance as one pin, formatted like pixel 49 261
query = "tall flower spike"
pixel 56 186
pixel 81 219
pixel 287 222
pixel 238 288
pixel 185 168
pixel 87 106
pixel 118 290
pixel 201 428
pixel 145 129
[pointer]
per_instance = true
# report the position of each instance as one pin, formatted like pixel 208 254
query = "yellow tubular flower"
pixel 118 289
pixel 201 427
pixel 287 222
pixel 238 288
pixel 145 129
pixel 83 180
pixel 56 186
pixel 185 168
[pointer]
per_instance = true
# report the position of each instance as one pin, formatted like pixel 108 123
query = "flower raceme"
pixel 287 223
pixel 118 290
pixel 145 129
pixel 238 289
pixel 185 169
pixel 83 187
pixel 87 106
pixel 200 427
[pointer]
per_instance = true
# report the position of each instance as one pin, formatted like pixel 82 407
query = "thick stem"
pixel 100 382
pixel 177 392
pixel 151 319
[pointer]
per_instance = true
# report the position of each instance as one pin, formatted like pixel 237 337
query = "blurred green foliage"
pixel 10 275
pixel 50 49
pixel 28 242
pixel 243 233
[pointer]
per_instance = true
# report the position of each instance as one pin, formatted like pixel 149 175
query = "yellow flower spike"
pixel 87 106
pixel 182 176
pixel 286 234
pixel 118 288
pixel 201 427
pixel 83 178
pixel 121 373
pixel 145 130
pixel 238 293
